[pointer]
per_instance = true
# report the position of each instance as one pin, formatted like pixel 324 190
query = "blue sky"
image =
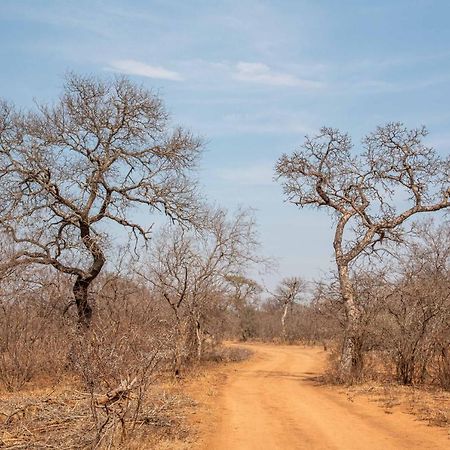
pixel 252 77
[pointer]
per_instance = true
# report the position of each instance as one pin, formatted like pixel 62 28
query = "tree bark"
pixel 80 292
pixel 351 362
pixel 81 286
pixel 199 337
pixel 283 321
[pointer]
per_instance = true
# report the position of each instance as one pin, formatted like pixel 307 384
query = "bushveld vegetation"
pixel 92 325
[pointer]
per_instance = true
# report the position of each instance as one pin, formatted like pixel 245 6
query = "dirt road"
pixel 274 402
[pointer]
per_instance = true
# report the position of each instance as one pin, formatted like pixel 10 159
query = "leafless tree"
pixel 244 296
pixel 286 295
pixel 371 194
pixel 102 150
pixel 190 270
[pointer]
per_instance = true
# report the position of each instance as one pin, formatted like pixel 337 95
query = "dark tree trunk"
pixel 80 292
pixel 82 283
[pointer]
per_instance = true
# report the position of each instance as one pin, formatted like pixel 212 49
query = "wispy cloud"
pixel 132 67
pixel 362 85
pixel 398 61
pixel 263 74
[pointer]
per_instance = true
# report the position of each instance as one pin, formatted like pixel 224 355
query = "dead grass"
pixel 429 404
pixel 70 419
pixel 227 354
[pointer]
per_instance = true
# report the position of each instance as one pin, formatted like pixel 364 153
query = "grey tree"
pixel 371 194
pixel 288 293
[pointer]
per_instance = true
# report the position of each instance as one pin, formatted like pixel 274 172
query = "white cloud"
pixel 263 74
pixel 132 67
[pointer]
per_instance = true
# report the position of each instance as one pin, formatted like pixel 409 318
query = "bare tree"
pixel 371 194
pixel 244 296
pixel 190 270
pixel 66 170
pixel 286 295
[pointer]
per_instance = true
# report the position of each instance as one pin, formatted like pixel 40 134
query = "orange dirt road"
pixel 273 402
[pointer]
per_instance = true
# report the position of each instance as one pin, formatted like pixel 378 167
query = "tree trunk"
pixel 178 357
pixel 80 292
pixel 82 283
pixel 283 322
pixel 198 335
pixel 351 359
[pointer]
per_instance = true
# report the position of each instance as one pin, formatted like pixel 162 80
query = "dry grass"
pixel 226 354
pixel 428 402
pixel 71 419
pixel 431 404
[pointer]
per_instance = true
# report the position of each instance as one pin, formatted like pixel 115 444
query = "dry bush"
pixel 404 312
pixel 227 354
pixel 192 273
pixel 115 368
pixel 417 310
pixel 70 420
pixel 304 324
pixel 34 334
pixel 442 359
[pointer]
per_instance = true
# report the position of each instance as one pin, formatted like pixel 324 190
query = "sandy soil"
pixel 274 401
